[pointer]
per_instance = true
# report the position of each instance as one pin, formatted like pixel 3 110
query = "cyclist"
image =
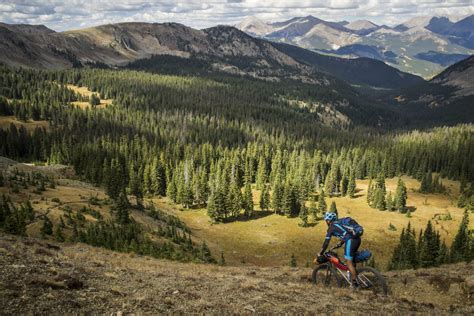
pixel 349 232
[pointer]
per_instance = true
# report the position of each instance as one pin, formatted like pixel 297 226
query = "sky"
pixel 74 14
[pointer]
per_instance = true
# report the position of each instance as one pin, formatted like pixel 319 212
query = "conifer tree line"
pixel 209 143
pixel 426 249
pixel 378 198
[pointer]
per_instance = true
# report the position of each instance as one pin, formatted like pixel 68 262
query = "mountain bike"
pixel 331 271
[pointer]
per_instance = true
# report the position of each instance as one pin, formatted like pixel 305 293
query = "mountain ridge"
pixel 224 48
pixel 405 42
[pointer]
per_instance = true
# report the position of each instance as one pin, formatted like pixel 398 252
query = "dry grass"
pixel 30 126
pixel 270 240
pixel 84 91
pixel 110 282
pixel 71 194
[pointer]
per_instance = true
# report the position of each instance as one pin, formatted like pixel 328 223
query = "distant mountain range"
pixel 221 48
pixel 362 86
pixel 422 46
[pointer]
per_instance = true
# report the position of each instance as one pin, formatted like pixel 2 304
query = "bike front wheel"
pixel 324 275
pixel 371 279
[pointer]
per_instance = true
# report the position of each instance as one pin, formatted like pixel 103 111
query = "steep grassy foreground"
pixel 43 278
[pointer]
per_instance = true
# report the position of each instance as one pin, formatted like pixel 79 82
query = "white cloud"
pixel 63 15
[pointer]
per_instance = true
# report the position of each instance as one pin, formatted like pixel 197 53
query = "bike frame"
pixel 342 269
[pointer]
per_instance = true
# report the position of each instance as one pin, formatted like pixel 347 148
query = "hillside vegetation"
pixel 44 277
pixel 220 144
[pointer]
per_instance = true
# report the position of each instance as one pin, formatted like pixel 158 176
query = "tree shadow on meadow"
pixel 255 215
pixel 356 195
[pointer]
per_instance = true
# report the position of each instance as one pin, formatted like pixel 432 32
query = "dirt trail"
pixel 47 278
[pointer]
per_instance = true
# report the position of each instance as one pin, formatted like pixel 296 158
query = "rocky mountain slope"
pixel 358 71
pixel 119 44
pixel 43 277
pixel 221 48
pixel 459 76
pixel 403 46
pixel 447 98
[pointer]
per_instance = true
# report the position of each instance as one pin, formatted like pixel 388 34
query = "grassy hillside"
pixel 266 239
pixel 44 277
pixel 269 239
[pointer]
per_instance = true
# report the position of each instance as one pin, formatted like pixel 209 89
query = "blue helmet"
pixel 330 216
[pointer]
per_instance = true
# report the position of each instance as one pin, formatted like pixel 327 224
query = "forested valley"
pixel 208 143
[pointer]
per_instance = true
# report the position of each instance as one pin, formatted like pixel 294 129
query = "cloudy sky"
pixel 70 14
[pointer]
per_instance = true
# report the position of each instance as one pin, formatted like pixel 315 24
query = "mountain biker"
pixel 349 232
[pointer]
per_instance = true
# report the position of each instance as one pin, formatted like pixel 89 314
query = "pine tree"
pixel 400 200
pixel 121 207
pixel 291 205
pixel 234 199
pixel 216 205
pixel 265 198
pixel 379 194
pixel 262 177
pixel 351 186
pixel 344 185
pixel 293 262
pixel 206 255
pixel 404 255
pixel 145 179
pixel 427 183
pixel 212 210
pixel 184 194
pixel 47 228
pixel 136 185
pixel 58 234
pixel 247 200
pixel 331 184
pixel 333 208
pixel 370 193
pixel 389 201
pixel 94 100
pixel 201 187
pixel 277 194
pixel 313 209
pixel 430 247
pixel 303 215
pixel 159 176
pixel 443 254
pixel 460 248
pixel 171 190
pixel 322 206
pixel 379 201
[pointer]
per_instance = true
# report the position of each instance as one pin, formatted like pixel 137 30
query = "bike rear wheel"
pixel 324 275
pixel 371 279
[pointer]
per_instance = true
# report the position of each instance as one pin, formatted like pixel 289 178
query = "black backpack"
pixel 350 225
